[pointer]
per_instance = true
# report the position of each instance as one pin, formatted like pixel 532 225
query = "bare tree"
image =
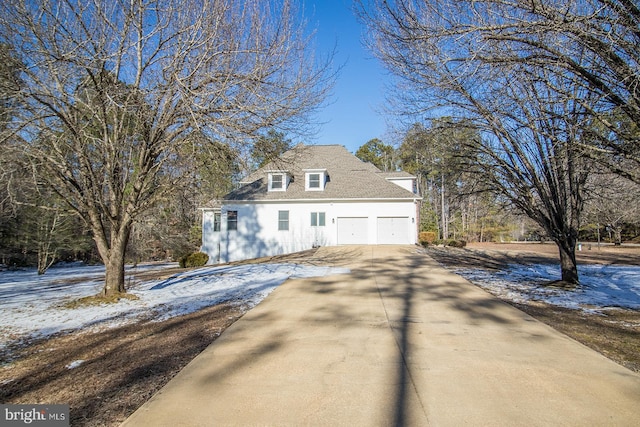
pixel 36 226
pixel 595 43
pixel 51 231
pixel 10 69
pixel 533 121
pixel 532 157
pixel 112 89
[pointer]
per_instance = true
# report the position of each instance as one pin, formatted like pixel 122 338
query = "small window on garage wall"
pixel 232 220
pixel 217 219
pixel 317 219
pixel 283 220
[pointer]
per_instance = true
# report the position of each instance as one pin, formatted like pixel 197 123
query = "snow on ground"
pixel 601 286
pixel 32 305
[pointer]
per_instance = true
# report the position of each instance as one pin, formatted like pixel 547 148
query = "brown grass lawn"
pixel 123 367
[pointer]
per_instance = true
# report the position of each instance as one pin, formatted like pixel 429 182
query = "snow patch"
pixel 32 306
pixel 601 286
pixel 74 364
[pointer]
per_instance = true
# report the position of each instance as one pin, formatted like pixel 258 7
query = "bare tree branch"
pixel 592 43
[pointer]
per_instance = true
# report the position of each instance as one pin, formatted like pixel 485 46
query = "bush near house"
pixel 455 243
pixel 427 238
pixel 196 259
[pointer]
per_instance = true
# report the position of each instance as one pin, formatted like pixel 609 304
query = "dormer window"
pixel 278 181
pixel 315 179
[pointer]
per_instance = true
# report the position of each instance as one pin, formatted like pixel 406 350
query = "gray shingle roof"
pixel 348 177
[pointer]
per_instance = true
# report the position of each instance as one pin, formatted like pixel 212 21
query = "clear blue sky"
pixel 351 118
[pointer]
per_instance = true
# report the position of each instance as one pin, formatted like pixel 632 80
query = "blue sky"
pixel 351 118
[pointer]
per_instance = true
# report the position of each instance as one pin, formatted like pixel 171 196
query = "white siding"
pixel 210 238
pixel 406 183
pixel 258 235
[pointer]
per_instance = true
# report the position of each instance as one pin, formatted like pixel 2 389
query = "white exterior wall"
pixel 406 183
pixel 210 239
pixel 258 233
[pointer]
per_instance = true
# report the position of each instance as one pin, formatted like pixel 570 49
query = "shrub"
pixel 455 243
pixel 196 259
pixel 426 238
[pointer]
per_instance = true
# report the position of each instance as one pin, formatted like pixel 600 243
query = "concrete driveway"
pixel 398 341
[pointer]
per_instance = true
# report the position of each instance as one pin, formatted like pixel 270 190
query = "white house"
pixel 312 196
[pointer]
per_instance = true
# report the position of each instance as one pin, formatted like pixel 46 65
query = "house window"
pixel 283 220
pixel 317 219
pixel 217 219
pixel 232 220
pixel 277 182
pixel 314 180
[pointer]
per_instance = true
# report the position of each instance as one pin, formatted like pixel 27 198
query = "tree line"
pixel 456 206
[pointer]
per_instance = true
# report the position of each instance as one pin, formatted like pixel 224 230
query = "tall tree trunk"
pixel 114 265
pixel 445 225
pixel 568 263
pixel 112 249
pixel 617 234
pixel 46 232
pixel 114 275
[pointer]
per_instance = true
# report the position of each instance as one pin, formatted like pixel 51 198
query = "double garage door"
pixel 390 231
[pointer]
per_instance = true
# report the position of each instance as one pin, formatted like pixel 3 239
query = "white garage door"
pixel 393 231
pixel 352 231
